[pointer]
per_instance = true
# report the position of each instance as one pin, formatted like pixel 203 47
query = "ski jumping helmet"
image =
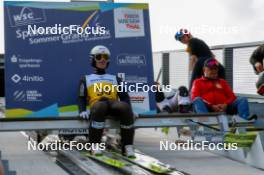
pixel 99 50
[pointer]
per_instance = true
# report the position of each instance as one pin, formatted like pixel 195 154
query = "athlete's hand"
pixel 259 67
pixel 135 115
pixel 85 115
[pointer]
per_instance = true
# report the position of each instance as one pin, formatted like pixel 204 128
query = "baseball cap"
pixel 210 63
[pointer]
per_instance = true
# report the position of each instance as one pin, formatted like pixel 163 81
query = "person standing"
pixel 256 59
pixel 198 52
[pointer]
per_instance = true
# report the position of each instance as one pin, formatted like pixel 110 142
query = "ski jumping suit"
pixel 106 102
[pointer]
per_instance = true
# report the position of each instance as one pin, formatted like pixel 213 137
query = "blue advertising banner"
pixel 44 61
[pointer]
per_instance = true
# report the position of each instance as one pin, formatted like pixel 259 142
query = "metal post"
pixel 2 76
pixel 223 121
pixel 166 68
pixel 228 63
pixel 159 75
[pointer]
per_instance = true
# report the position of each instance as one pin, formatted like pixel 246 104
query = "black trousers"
pixel 119 111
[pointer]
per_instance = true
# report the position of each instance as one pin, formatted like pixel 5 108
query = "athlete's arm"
pixel 82 97
pixel 123 95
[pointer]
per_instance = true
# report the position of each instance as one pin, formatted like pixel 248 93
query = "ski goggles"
pixel 101 57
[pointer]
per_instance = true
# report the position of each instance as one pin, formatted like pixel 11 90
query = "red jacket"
pixel 213 92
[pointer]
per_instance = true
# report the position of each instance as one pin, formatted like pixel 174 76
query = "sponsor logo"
pixel 29 95
pixel 19 95
pixel 122 76
pixel 13 59
pixel 128 23
pixel 20 16
pixel 25 62
pixel 15 78
pixel 131 21
pixel 26 78
pixel 34 78
pixel 132 78
pixel 33 95
pixel 140 101
pixel 137 99
pixel 131 60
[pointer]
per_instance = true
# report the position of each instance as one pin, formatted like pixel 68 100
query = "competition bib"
pixel 99 86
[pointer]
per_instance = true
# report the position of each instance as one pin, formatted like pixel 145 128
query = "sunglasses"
pixel 100 57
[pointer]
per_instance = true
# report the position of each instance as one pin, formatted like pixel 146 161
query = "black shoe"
pixel 253 117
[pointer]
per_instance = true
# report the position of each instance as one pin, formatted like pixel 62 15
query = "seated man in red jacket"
pixel 213 94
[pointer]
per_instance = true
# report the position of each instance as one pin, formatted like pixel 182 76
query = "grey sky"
pixel 215 21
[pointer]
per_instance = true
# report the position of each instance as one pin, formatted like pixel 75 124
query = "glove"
pixel 85 115
pixel 135 115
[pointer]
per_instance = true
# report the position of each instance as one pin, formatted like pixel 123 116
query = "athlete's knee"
pixel 126 114
pixel 123 107
pixel 99 110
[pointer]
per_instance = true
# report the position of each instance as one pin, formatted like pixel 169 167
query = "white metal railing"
pixel 244 77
